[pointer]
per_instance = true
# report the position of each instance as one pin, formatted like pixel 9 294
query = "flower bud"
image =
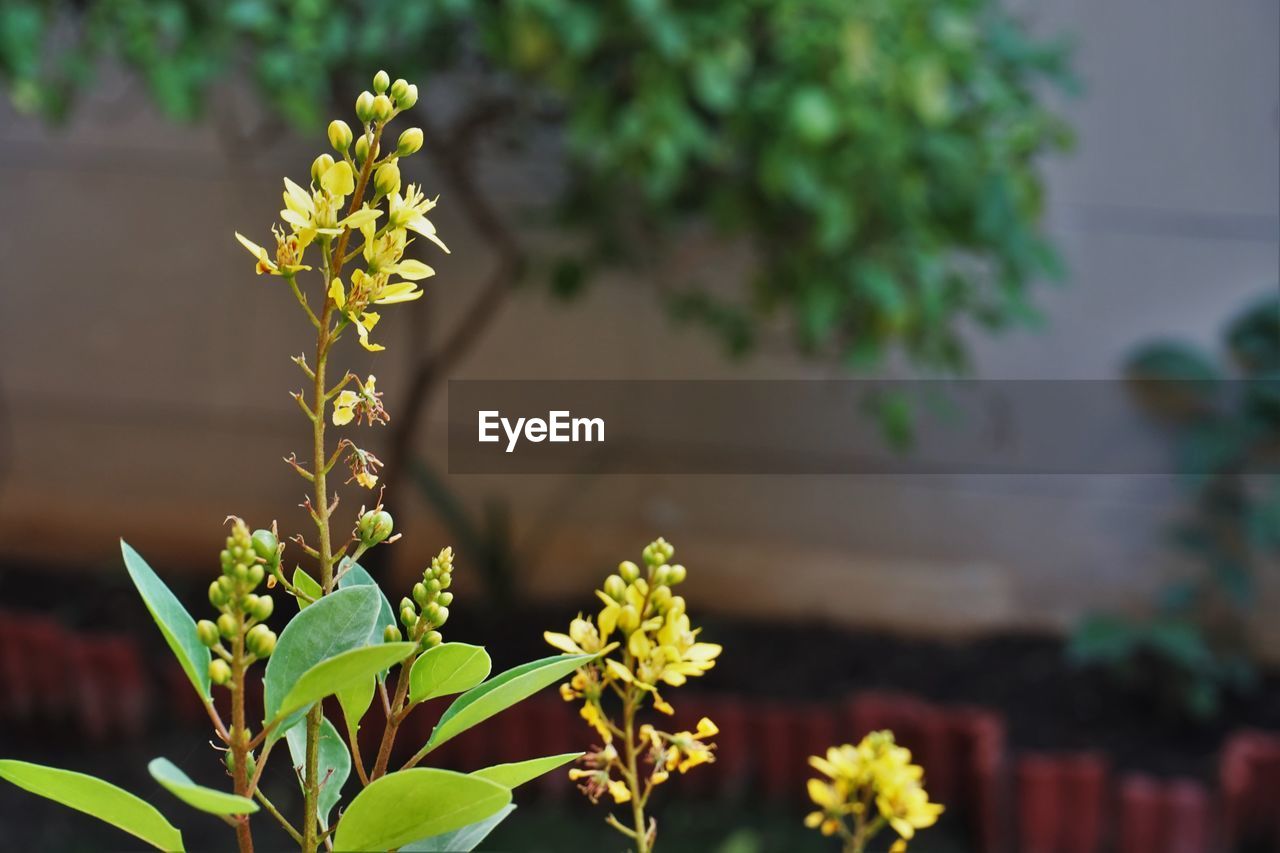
pixel 391 634
pixel 440 616
pixel 320 165
pixel 219 671
pixel 387 179
pixel 265 543
pixel 398 88
pixel 661 598
pixel 255 575
pixel 432 638
pixel 420 594
pixel 217 595
pixel 410 142
pixel 445 599
pixel 408 616
pixel 207 632
pixel 362 149
pixel 678 574
pixel 662 575
pixel 382 108
pixel 615 587
pixel 263 608
pixel 375 525
pixel 229 758
pixel 228 625
pixel 381 81
pixel 409 98
pixel 629 571
pixel 629 619
pixel 364 107
pixel 260 640
pixel 658 551
pixel 340 135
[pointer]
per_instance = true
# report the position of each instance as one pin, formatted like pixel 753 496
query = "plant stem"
pixel 324 338
pixel 633 778
pixel 393 720
pixel 240 736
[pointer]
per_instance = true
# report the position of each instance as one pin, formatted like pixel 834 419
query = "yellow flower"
pixel 363 403
pixel 288 260
pixel 409 211
pixel 621 793
pixel 596 719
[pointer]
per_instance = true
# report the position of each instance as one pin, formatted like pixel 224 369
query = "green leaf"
pixel 95 797
pixel 412 804
pixel 343 670
pixel 334 765
pixel 355 700
pixel 307 585
pixel 355 575
pixel 337 623
pixel 460 840
pixel 175 623
pixel 501 692
pixel 199 797
pixel 447 669
pixel 515 774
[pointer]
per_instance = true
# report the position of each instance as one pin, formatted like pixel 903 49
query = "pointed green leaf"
pixel 343 670
pixel 175 623
pixel 334 765
pixel 515 774
pixel 413 804
pixel 355 700
pixel 95 797
pixel 460 840
pixel 501 692
pixel 338 622
pixel 199 797
pixel 308 586
pixel 447 669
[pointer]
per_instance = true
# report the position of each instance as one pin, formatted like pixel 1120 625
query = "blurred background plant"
pixel 715 122
pixel 1224 416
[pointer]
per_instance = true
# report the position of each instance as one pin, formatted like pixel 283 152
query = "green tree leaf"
pixel 355 700
pixel 343 670
pixel 334 765
pixel 308 586
pixel 353 574
pixel 460 840
pixel 501 692
pixel 175 623
pixel 447 669
pixel 337 623
pixel 413 804
pixel 95 797
pixel 515 774
pixel 211 800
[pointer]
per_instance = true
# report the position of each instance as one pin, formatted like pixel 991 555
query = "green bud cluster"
pixel 382 104
pixel 245 562
pixel 657 552
pixel 428 609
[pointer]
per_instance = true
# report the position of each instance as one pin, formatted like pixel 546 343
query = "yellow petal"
pixel 254 249
pixel 342 416
pixel 413 270
pixel 361 218
pixel 338 293
pixel 400 291
pixel 619 671
pixel 562 642
pixel 338 179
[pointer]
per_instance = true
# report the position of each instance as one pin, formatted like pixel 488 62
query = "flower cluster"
pixel 867 787
pixel 423 615
pixel 245 561
pixel 315 214
pixel 644 642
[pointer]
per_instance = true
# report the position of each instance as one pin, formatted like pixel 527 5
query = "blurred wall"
pixel 143 366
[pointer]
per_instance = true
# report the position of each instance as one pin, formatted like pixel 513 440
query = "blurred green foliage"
pixel 1225 420
pixel 876 157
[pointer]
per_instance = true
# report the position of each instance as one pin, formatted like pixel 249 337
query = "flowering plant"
pixel 640 641
pixel 345 640
pixel 866 788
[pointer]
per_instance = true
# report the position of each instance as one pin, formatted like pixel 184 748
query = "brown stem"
pixel 240 736
pixel 394 719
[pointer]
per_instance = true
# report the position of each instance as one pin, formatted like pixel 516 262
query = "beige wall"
pixel 143 366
